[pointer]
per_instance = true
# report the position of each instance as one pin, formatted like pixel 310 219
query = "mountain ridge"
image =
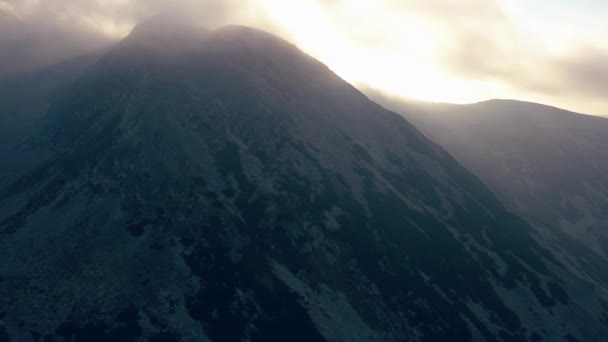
pixel 240 190
pixel 530 155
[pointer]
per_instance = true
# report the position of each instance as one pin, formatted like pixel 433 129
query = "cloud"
pixel 482 40
pixel 35 33
pixel 502 53
pixel 584 72
pixel 477 49
pixel 441 50
pixel 31 39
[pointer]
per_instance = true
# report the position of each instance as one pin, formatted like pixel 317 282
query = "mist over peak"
pixel 167 32
pixel 173 23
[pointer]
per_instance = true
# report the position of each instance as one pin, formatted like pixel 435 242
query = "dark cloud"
pixel 582 73
pixel 36 41
pixel 37 33
pixel 585 72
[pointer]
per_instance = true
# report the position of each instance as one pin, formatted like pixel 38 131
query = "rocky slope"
pixel 225 186
pixel 546 163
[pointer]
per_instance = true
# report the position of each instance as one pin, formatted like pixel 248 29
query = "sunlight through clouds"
pixel 433 50
pixel 454 51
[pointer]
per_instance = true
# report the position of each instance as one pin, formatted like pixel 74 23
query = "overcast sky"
pixel 548 51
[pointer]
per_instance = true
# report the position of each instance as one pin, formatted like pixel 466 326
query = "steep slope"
pixel 225 186
pixel 548 164
pixel 24 100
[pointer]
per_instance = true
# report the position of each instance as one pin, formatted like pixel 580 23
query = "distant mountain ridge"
pixel 227 187
pixel 547 163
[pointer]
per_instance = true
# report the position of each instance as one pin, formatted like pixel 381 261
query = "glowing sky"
pixel 548 51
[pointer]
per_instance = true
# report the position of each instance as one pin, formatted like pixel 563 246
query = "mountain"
pixel 546 163
pixel 24 100
pixel 28 44
pixel 225 186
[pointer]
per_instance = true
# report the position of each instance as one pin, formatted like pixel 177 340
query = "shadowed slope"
pixel 546 163
pixel 233 188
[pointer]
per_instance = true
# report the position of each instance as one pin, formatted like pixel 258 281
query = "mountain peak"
pixel 166 22
pixel 226 186
pixel 173 33
pixel 245 32
pixel 165 31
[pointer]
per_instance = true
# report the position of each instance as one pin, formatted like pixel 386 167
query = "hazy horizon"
pixel 430 51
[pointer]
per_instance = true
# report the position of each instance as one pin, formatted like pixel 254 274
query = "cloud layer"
pixel 35 33
pixel 481 49
pixel 440 50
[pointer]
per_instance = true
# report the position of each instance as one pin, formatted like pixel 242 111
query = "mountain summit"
pixel 168 33
pixel 238 190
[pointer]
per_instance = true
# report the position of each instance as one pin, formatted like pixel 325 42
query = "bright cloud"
pixel 438 50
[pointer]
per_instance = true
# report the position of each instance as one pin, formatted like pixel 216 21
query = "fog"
pixel 34 34
pixel 438 50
